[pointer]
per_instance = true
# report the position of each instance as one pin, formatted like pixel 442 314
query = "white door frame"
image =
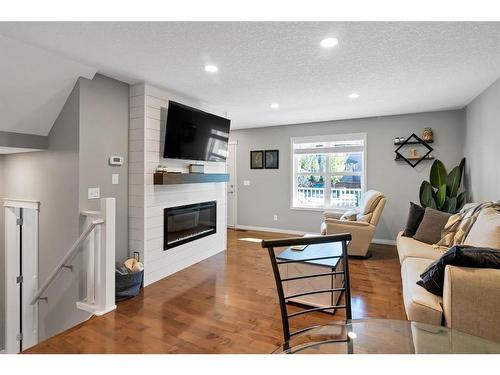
pixel 235 179
pixel 30 282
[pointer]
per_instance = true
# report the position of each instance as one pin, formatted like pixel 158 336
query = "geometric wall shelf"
pixel 414 161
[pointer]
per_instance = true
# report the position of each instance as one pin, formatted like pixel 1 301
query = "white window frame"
pixel 327 192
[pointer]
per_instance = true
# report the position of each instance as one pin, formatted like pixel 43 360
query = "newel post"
pixel 105 283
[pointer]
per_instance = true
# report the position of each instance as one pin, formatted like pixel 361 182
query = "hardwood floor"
pixel 224 304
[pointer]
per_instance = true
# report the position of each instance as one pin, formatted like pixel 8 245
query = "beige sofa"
pixel 362 227
pixel 471 296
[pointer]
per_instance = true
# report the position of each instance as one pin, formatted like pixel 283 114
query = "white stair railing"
pixel 100 251
pixel 66 259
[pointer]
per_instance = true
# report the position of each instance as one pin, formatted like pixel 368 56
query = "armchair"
pixel 360 223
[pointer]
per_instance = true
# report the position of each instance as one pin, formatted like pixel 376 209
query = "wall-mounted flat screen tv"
pixel 192 134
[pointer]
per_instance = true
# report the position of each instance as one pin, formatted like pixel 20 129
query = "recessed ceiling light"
pixel 275 105
pixel 211 68
pixel 329 42
pixel 354 95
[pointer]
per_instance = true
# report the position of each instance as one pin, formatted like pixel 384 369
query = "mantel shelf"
pixel 188 178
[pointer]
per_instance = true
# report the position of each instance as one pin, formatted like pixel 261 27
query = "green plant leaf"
pixel 441 196
pixel 426 195
pixel 438 174
pixel 453 181
pixel 462 169
pixel 432 204
pixel 446 205
pixel 461 200
pixel 452 207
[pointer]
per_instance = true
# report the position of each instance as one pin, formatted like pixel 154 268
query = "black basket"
pixel 127 286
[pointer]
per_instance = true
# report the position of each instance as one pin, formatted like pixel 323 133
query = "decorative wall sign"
pixel 411 140
pixel 271 159
pixel 256 159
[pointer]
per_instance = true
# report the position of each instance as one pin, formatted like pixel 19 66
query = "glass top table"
pixel 385 336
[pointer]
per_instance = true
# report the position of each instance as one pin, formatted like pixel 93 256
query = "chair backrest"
pixel 377 212
pixel 368 201
pixel 283 299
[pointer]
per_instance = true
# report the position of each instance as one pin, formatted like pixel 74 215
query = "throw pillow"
pixel 433 222
pixel 485 232
pixel 415 216
pixel 432 279
pixel 349 215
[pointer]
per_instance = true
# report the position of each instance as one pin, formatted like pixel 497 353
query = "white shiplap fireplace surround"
pixel 147 201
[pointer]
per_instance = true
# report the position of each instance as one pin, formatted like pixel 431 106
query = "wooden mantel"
pixel 164 178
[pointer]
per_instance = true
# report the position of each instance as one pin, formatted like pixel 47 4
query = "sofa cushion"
pixel 409 247
pixel 369 201
pixel 420 305
pixel 415 216
pixel 429 230
pixel 486 230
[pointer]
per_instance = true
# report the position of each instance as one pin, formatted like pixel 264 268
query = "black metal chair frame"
pixel 271 244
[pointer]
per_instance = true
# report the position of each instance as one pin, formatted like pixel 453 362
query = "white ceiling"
pixel 396 67
pixel 34 85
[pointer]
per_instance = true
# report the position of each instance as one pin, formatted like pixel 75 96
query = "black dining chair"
pixel 284 299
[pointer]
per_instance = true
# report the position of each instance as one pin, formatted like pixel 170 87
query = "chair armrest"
pixel 347 223
pixel 471 300
pixel 332 215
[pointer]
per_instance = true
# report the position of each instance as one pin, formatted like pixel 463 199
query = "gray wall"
pixel 51 177
pixel 103 133
pixel 2 261
pixel 269 192
pixel 92 126
pixel 481 145
pixel 8 139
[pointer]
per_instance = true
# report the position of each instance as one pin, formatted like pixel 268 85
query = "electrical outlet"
pixel 246 182
pixel 93 193
pixel 275 217
pixel 115 178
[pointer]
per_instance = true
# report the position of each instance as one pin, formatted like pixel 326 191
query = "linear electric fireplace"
pixel 184 224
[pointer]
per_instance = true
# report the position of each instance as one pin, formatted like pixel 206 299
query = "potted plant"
pixel 442 192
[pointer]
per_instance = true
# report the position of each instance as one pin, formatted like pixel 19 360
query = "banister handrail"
pixel 71 252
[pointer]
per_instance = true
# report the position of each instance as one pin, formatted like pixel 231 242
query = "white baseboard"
pixel 301 233
pixel 275 230
pixel 380 241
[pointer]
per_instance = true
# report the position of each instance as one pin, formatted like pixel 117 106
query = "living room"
pixel 277 187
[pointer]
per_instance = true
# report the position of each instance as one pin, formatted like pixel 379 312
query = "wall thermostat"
pixel 116 160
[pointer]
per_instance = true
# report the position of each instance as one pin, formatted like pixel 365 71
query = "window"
pixel 328 171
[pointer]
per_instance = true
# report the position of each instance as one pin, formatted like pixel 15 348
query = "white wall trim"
pixel 380 241
pixel 274 230
pixel 22 203
pixel 301 233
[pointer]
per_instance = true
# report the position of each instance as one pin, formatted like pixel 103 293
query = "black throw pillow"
pixel 461 256
pixel 415 216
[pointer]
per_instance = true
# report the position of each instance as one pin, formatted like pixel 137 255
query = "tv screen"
pixel 192 134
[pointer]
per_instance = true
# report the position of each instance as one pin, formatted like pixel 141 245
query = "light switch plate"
pixel 115 178
pixel 246 182
pixel 94 193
